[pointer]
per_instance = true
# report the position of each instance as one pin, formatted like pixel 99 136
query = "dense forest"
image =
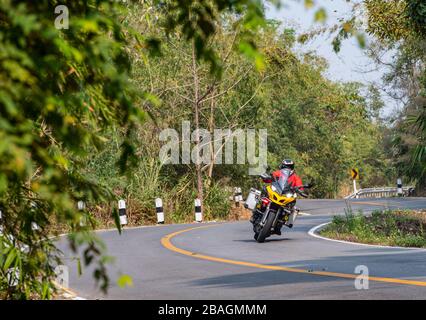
pixel 326 127
pixel 82 110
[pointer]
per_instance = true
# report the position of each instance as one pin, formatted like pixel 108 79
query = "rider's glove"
pixel 303 194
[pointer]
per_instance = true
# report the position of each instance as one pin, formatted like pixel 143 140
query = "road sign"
pixel 355 174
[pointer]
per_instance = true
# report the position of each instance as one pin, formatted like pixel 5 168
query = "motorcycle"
pixel 275 206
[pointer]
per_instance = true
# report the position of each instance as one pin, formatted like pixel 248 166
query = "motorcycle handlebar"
pixel 304 195
pixel 300 192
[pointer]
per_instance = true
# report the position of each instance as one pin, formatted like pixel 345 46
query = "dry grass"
pixel 239 213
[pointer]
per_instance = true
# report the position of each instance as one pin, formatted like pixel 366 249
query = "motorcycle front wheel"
pixel 266 230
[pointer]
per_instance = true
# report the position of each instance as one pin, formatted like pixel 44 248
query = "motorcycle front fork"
pixel 257 214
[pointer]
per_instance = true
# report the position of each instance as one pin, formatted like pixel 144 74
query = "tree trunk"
pixel 211 129
pixel 197 124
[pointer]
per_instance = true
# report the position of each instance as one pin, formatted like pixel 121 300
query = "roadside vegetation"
pixel 324 126
pixel 406 228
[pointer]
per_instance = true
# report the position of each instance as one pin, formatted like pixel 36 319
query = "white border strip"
pixel 304 213
pixel 312 233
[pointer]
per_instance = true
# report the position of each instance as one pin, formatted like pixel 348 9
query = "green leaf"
pixel 152 99
pixel 320 15
pixel 45 290
pixel 336 44
pixel 3 183
pixel 361 40
pixel 154 46
pixel 116 217
pixel 10 259
pixel 251 52
pixel 79 269
pixel 125 280
pixel 309 4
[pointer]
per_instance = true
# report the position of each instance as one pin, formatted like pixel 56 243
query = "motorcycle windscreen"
pixel 281 184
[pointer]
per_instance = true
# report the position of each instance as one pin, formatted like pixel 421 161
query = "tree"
pixel 62 91
pixel 400 25
pixel 59 91
pixel 322 125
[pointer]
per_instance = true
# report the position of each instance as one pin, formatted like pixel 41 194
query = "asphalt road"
pixel 222 261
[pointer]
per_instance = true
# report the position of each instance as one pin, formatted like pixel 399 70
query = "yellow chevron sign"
pixel 355 174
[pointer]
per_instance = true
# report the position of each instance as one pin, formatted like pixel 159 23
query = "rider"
pixel 294 181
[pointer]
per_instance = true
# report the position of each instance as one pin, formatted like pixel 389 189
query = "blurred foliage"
pixel 386 19
pixel 327 128
pixel 79 107
pixel 64 94
pixel 59 92
pixel 400 26
pixel 197 21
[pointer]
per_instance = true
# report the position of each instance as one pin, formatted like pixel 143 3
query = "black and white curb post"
pixel 198 213
pixel 160 211
pixel 238 196
pixel 12 274
pixel 12 277
pixel 81 206
pixel 34 226
pixel 122 212
pixel 399 187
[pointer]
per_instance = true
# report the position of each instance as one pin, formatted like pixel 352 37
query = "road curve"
pixel 222 261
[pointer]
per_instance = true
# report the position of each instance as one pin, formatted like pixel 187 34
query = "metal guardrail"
pixel 381 192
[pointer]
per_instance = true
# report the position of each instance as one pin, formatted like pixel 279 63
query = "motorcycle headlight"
pixel 289 195
pixel 273 188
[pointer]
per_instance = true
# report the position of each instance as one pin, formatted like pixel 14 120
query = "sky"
pixel 351 63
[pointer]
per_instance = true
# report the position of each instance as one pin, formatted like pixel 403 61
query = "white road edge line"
pixel 304 214
pixel 312 233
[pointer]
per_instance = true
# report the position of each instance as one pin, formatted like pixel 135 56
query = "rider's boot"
pixel 277 229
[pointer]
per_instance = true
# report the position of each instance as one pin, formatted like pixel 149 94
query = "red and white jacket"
pixel 294 180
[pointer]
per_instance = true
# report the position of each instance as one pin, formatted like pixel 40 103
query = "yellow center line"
pixel 166 242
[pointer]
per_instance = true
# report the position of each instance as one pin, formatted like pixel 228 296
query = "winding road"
pixel 222 261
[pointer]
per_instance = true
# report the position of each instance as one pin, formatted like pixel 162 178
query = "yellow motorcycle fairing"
pixel 275 197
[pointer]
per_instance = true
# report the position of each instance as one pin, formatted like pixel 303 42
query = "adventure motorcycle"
pixel 275 206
